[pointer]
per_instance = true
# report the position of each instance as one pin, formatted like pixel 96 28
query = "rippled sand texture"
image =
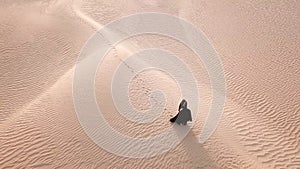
pixel 258 42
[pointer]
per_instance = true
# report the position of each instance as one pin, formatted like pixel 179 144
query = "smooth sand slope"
pixel 258 43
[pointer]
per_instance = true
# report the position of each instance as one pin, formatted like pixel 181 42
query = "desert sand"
pixel 257 41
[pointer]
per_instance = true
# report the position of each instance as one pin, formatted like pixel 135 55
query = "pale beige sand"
pixel 258 42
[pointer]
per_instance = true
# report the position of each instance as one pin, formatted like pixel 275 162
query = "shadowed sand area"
pixel 257 41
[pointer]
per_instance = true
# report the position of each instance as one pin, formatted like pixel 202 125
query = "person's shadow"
pixel 196 152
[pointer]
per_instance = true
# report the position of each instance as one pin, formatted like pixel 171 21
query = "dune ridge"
pixel 39 45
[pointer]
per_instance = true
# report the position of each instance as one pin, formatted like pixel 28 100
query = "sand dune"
pixel 256 41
